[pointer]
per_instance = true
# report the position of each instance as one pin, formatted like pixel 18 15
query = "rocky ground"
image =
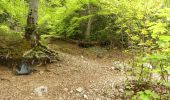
pixel 80 75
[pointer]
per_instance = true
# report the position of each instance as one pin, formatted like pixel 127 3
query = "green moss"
pixel 14 49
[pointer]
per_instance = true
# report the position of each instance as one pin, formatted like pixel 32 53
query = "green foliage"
pixel 141 25
pixel 16 11
pixel 7 35
pixel 146 95
pixel 4 30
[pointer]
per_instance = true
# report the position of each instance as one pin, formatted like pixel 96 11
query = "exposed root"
pixel 22 52
pixel 41 54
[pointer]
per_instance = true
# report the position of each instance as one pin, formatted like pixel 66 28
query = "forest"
pixel 84 49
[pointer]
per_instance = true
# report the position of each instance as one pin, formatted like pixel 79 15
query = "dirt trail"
pixel 75 77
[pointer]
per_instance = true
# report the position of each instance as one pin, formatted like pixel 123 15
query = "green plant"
pixel 4 30
pixel 146 95
pixel 7 35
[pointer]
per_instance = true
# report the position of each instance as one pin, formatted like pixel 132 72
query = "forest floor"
pixel 82 74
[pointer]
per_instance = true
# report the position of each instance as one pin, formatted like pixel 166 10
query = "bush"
pixel 4 30
pixel 7 35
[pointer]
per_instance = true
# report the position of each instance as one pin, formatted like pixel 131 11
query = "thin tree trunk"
pixel 31 32
pixel 88 30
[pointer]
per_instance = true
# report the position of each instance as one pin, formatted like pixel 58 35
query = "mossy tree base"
pixel 14 53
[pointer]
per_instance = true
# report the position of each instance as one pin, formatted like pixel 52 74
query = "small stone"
pixel 65 89
pixel 85 96
pixel 79 89
pixel 112 68
pixel 121 90
pixel 97 98
pixel 41 72
pixel 82 57
pixel 148 65
pixel 60 98
pixel 96 90
pixel 132 92
pixel 71 91
pixel 40 90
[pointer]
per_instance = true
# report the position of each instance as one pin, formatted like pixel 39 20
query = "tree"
pixel 88 30
pixel 31 32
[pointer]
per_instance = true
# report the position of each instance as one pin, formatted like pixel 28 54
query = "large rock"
pixel 23 69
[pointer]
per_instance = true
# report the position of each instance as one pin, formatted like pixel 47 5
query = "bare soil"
pixel 86 69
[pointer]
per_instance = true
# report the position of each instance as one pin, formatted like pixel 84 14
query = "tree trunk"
pixel 88 30
pixel 31 32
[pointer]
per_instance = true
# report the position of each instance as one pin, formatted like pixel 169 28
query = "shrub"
pixel 4 30
pixel 7 35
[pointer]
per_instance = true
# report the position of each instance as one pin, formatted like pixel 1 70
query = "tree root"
pixel 39 55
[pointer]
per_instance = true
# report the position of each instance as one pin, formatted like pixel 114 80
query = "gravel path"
pixel 75 77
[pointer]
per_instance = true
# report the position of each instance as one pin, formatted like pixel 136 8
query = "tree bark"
pixel 88 30
pixel 31 32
